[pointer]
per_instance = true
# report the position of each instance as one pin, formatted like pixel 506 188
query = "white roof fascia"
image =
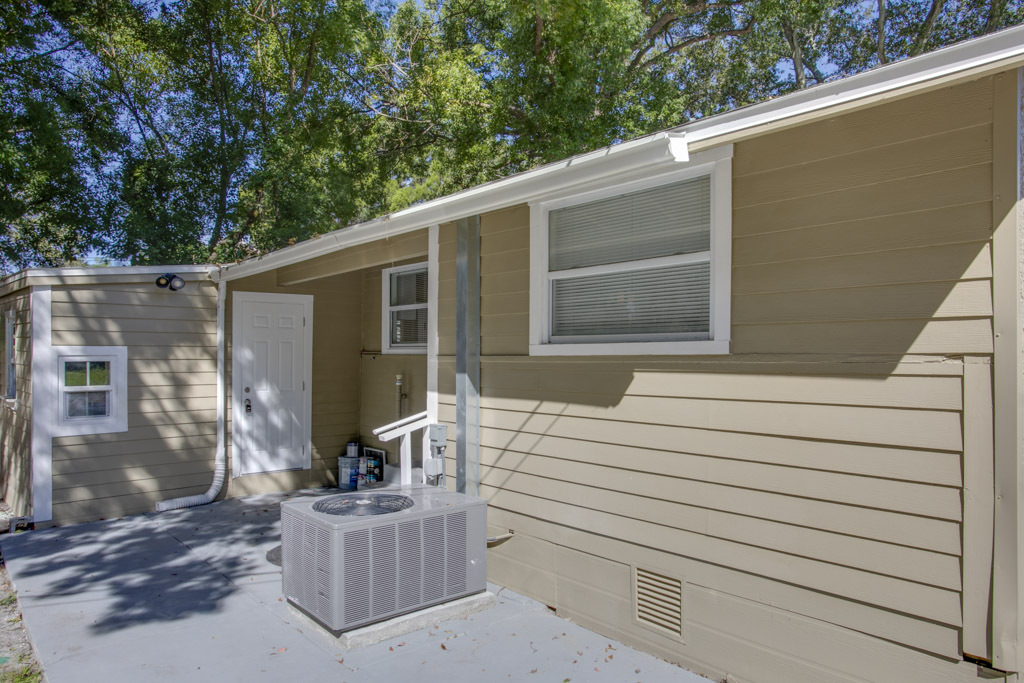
pixel 1007 44
pixel 647 152
pixel 672 145
pixel 29 274
pixel 114 271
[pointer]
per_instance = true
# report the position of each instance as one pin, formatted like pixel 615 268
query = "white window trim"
pixel 717 163
pixel 117 420
pixel 386 308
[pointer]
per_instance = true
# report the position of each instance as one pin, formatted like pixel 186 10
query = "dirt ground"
pixel 17 660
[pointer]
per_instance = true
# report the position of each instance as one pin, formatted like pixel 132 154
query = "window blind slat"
pixel 409 287
pixel 409 327
pixel 662 221
pixel 670 300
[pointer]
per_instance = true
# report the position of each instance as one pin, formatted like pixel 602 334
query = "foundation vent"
pixel 659 601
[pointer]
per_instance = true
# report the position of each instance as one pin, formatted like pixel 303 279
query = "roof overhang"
pixel 651 151
pixel 972 58
pixel 82 275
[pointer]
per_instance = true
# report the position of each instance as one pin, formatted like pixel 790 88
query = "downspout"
pixel 220 462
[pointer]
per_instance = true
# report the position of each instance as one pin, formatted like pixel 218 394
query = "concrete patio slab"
pixel 190 595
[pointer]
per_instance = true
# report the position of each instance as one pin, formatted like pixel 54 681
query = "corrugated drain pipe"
pixel 220 462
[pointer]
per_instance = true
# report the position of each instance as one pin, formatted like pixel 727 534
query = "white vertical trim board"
pixel 433 253
pixel 1008 371
pixel 44 400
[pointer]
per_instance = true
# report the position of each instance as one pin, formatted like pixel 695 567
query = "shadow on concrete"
pixel 152 568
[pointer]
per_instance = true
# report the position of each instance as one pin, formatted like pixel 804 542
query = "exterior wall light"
pixel 170 281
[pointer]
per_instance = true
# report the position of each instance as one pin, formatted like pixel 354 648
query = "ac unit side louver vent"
pixel 659 601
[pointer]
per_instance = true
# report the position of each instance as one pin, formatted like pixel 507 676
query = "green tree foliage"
pixel 156 131
pixel 57 134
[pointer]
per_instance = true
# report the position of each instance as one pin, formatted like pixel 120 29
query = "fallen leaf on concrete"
pixel 443 647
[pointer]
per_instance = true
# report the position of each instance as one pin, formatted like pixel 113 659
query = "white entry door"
pixel 271 381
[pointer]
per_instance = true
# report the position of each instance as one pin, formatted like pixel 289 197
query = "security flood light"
pixel 170 281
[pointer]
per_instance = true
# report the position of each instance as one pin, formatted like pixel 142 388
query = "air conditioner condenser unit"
pixel 356 558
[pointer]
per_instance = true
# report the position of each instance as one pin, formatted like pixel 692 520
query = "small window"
pixel 92 387
pixel 404 297
pixel 640 268
pixel 10 372
pixel 87 390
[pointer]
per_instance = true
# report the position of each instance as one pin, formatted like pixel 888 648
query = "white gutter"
pixel 670 146
pixel 1002 46
pixel 220 461
pixel 645 152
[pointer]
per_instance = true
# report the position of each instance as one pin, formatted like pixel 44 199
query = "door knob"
pixel 248 405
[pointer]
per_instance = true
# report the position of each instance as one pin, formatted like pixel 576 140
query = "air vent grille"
pixel 659 601
pixel 357 575
pixel 385 562
pixel 456 552
pixel 433 558
pixel 410 559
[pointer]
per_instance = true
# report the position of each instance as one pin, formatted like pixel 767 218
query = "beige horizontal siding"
pixel 169 446
pixel 932 113
pixel 16 416
pixel 891 625
pixel 817 469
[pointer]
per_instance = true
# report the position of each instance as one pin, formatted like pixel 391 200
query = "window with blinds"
pixel 633 267
pixel 404 292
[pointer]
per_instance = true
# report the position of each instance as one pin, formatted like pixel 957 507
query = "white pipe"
pixel 220 462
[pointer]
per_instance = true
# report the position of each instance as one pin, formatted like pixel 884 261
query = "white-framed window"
pixel 404 309
pixel 10 370
pixel 91 389
pixel 637 267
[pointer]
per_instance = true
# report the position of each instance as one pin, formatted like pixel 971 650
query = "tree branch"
pixel 925 33
pixel 797 53
pixel 882 59
pixel 694 40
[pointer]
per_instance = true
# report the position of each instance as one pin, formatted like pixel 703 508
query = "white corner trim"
pixel 385 310
pixel 433 259
pixel 118 419
pixel 717 163
pixel 237 299
pixel 44 400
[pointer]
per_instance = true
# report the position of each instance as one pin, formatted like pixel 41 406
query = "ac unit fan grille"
pixel 362 504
